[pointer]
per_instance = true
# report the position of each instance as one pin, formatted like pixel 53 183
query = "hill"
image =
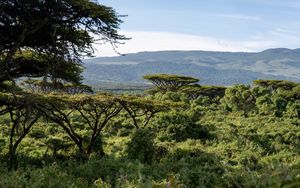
pixel 216 68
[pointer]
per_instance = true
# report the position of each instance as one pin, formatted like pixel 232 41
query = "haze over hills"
pixel 213 68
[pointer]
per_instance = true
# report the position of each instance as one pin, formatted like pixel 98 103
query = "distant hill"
pixel 216 68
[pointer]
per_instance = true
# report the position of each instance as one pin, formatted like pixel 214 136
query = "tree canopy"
pixel 63 29
pixel 142 110
pixel 196 90
pixel 170 82
pixel 275 84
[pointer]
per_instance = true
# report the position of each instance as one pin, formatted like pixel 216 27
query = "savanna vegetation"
pixel 57 132
pixel 246 136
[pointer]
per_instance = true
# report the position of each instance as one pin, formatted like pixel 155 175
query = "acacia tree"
pixel 96 111
pixel 142 110
pixel 169 82
pixel 23 113
pixel 56 28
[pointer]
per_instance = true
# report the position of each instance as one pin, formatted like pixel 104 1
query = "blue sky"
pixel 218 25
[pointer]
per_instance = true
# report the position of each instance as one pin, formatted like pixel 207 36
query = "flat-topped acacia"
pixel 142 110
pixel 23 114
pixel 94 110
pixel 170 82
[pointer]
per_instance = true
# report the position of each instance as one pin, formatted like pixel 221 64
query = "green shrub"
pixel 180 126
pixel 141 146
pixel 51 176
pixel 197 168
pixel 239 98
pixel 293 109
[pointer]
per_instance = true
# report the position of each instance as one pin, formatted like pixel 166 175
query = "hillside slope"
pixel 216 68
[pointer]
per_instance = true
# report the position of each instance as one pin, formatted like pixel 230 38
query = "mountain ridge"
pixel 216 68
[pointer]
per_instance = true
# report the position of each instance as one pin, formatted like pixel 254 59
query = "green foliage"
pixel 180 126
pixel 42 86
pixel 275 84
pixel 188 143
pixel 50 176
pixel 141 146
pixel 265 105
pixel 96 111
pixel 33 64
pixel 8 86
pixel 141 110
pixel 195 91
pixel 58 33
pixel 270 176
pixel 239 98
pixel 170 82
pixel 172 96
pixel 198 169
pixel 293 109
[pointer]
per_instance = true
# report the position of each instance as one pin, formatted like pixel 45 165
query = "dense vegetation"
pixel 243 137
pixel 57 132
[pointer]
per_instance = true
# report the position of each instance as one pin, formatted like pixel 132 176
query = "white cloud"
pixel 156 41
pixel 239 17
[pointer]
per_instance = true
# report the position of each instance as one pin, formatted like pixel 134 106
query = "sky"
pixel 215 25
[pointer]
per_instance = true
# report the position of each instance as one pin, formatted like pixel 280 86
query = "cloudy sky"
pixel 217 25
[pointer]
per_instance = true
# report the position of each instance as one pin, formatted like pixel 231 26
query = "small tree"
pixel 23 113
pixel 170 82
pixel 142 110
pixel 96 111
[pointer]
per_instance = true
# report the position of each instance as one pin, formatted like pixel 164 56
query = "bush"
pixel 50 176
pixel 197 168
pixel 293 110
pixel 142 146
pixel 180 126
pixel 239 98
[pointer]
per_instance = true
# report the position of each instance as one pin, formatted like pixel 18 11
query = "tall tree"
pixel 64 29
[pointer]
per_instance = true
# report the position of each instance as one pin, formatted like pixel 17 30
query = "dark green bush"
pixel 141 146
pixel 197 168
pixel 180 126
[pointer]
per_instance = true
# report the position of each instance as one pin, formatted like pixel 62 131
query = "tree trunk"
pixel 12 157
pixel 82 155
